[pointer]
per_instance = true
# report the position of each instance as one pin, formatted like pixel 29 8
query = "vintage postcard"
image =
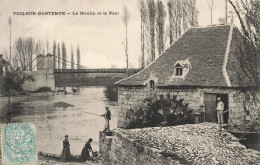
pixel 130 81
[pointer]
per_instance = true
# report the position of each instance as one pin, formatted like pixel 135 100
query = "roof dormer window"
pixel 151 85
pixel 181 68
pixel 178 71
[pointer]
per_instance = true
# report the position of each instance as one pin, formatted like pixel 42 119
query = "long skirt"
pixel 66 155
pixel 84 154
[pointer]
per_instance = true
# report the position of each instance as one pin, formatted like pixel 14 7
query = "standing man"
pixel 107 117
pixel 220 108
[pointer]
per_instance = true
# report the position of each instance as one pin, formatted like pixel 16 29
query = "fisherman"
pixel 220 108
pixel 107 117
pixel 66 155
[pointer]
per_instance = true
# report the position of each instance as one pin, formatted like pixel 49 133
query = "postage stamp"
pixel 19 144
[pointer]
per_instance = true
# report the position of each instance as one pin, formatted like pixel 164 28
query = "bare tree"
pixel 160 21
pixel 72 58
pixel 59 58
pixel 125 18
pixel 23 50
pixel 64 56
pixel 211 6
pixel 78 57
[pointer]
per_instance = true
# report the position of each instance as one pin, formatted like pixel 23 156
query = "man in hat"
pixel 107 117
pixel 220 108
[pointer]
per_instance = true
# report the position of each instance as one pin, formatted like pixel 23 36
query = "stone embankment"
pixel 185 144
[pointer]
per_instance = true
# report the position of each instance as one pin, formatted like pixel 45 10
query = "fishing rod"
pixel 90 113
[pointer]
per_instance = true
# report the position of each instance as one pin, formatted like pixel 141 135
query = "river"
pixel 53 123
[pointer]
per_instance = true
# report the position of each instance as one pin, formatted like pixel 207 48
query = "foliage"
pixel 64 56
pixel 43 89
pixel 111 92
pixel 78 57
pixel 125 18
pixel 156 111
pixel 13 81
pixel 248 55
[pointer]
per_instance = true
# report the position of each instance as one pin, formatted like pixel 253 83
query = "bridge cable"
pixel 70 62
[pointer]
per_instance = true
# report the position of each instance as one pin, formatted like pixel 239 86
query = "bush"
pixel 111 93
pixel 43 89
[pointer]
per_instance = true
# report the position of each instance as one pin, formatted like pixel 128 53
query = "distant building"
pixel 199 67
pixel 40 62
pixel 4 67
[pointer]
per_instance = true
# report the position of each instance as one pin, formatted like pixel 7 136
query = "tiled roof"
pixel 205 48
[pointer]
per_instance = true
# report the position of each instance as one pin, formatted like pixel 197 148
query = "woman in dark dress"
pixel 85 153
pixel 66 155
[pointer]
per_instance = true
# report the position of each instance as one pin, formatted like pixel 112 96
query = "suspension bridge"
pixel 63 73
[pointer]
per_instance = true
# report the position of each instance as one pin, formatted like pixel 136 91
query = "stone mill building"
pixel 198 67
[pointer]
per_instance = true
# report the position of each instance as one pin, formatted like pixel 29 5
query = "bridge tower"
pixel 40 62
pixel 49 62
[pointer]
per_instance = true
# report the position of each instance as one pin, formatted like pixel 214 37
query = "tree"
pixel 39 48
pixel 64 56
pixel 125 18
pixel 182 15
pixel 13 81
pixel 193 12
pixel 160 21
pixel 78 58
pixel 248 55
pixel 72 58
pixel 151 19
pixel 54 54
pixel 47 46
pixel 211 5
pixel 23 50
pixel 171 21
pixel 59 58
pixel 143 15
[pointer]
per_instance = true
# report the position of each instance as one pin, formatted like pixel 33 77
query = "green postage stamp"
pixel 19 144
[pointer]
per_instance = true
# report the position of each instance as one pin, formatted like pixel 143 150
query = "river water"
pixel 53 123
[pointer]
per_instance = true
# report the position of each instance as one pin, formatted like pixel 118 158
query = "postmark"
pixel 19 144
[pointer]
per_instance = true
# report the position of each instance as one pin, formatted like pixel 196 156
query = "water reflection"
pixel 53 122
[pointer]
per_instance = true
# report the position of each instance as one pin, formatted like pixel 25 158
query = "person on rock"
pixel 107 117
pixel 85 153
pixel 220 108
pixel 66 155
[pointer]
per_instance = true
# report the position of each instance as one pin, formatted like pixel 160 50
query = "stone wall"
pixel 43 78
pixel 119 149
pixel 185 144
pixel 131 97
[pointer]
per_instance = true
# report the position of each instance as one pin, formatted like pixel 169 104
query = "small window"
pixel 151 85
pixel 178 71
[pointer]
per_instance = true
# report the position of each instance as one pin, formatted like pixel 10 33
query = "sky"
pixel 101 38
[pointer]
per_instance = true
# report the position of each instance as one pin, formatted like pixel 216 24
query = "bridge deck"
pixel 95 70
